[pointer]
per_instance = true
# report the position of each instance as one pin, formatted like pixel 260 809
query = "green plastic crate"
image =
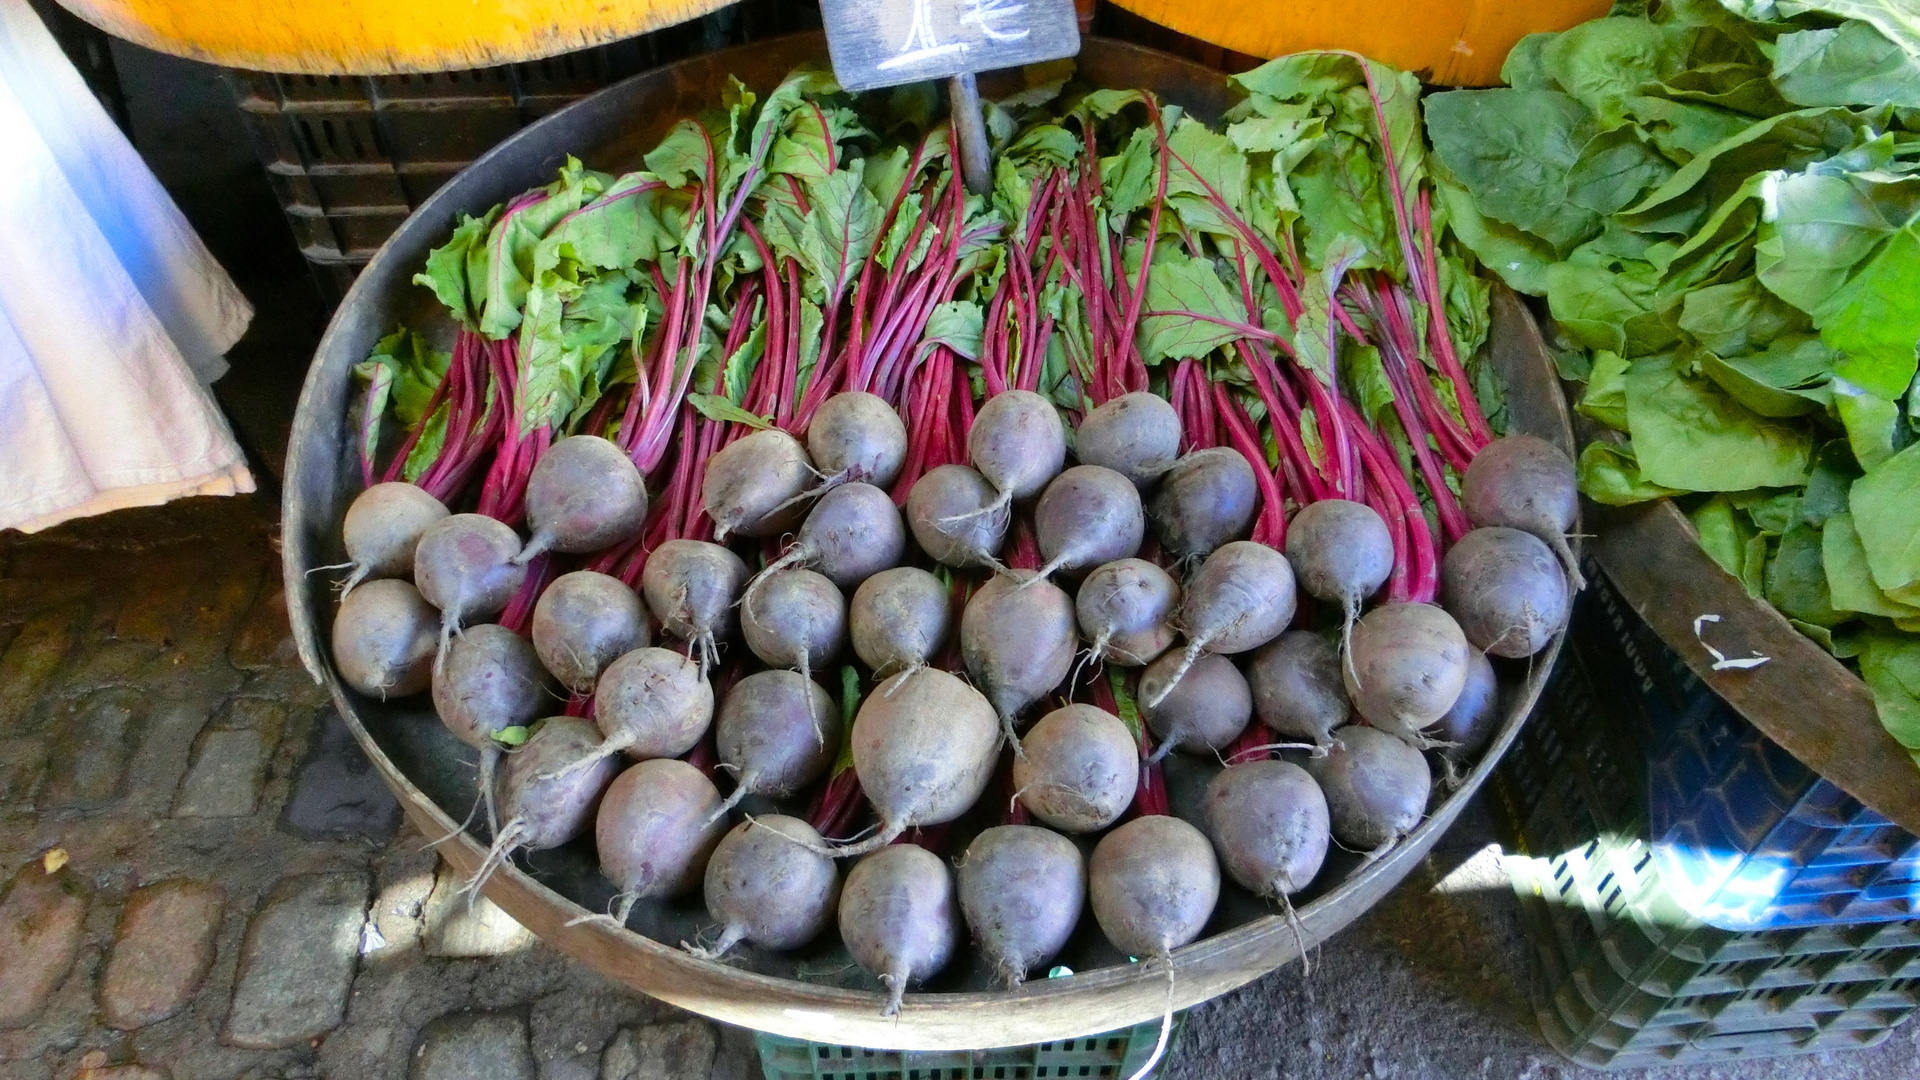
pixel 1115 1055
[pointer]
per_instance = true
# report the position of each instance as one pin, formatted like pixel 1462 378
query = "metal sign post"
pixel 877 43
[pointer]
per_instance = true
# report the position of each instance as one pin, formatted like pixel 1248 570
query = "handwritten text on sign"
pixel 885 42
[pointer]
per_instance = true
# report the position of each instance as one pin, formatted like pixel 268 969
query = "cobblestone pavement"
pixel 201 878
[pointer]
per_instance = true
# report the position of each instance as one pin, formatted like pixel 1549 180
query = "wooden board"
pixel 610 130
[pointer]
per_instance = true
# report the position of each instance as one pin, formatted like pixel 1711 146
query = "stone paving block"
pixel 252 712
pixel 224 780
pixel 337 793
pixel 161 951
pixel 401 888
pixel 452 927
pixel 89 743
pixel 175 717
pixel 473 1046
pixel 265 637
pixel 35 654
pixel 122 1072
pixel 21 768
pixel 109 663
pixel 571 1028
pixel 675 1050
pixel 297 962
pixel 42 922
pixel 161 589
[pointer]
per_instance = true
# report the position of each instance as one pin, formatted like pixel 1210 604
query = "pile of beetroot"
pixel 811 509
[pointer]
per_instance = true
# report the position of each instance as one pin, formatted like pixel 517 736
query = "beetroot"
pixel 918 772
pixel 956 518
pixel 1298 690
pixel 1126 609
pixel 656 828
pixel 1376 787
pixel 778 732
pixel 383 525
pixel 464 565
pixel 383 639
pixel 583 622
pixel 856 436
pixel 1506 590
pixel 1341 551
pixel 1136 435
pixel 652 703
pixel 1080 769
pixel 1153 883
pixel 490 681
pixel 1207 498
pixel 768 885
pixel 1021 891
pixel 1017 443
pixel 853 532
pixel 1205 712
pixel 1269 825
pixel 691 587
pixel 1017 638
pixel 1241 598
pixel 897 917
pixel 899 619
pixel 1525 483
pixel 1470 724
pixel 754 486
pixel 545 796
pixel 1406 664
pixel 584 494
pixel 796 619
pixel 1087 516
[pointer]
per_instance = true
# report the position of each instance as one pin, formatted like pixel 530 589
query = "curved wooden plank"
pixel 609 130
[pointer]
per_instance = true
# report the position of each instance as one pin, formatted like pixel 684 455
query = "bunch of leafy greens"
pixel 1720 200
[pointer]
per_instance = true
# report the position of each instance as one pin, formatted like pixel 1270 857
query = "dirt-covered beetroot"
pixel 1087 516
pixel 1018 443
pixel 490 681
pixel 545 796
pixel 1376 787
pixel 852 533
pixel 692 586
pixel 795 619
pixel 1525 483
pixel 899 619
pixel 1207 498
pixel 1475 716
pixel 1241 598
pixel 583 622
pixel 652 703
pixel 1297 687
pixel 1406 664
pixel 1269 825
pixel 1205 712
pixel 898 918
pixel 1136 435
pixel 856 436
pixel 1017 638
pixel 778 731
pixel 916 771
pixel 383 639
pixel 1153 883
pixel 464 566
pixel 1080 769
pixel 753 486
pixel 767 884
pixel 656 827
pixel 1506 590
pixel 1021 891
pixel 584 494
pixel 1125 608
pixel 954 517
pixel 383 525
pixel 1341 551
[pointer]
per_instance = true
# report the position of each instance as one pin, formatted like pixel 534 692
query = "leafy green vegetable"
pixel 1691 436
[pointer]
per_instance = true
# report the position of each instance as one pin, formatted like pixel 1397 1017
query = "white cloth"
pixel 113 314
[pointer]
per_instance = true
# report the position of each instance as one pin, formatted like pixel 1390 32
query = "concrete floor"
pixel 1432 983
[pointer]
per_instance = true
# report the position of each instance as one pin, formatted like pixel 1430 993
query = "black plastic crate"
pixel 350 156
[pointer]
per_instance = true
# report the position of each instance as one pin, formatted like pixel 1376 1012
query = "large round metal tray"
pixel 817 993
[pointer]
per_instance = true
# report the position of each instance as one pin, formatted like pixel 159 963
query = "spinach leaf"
pixel 1688 434
pixel 1845 65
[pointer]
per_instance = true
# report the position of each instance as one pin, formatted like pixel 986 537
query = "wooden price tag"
pixel 886 42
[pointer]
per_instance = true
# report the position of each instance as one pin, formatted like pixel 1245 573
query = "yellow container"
pixel 378 37
pixel 1455 42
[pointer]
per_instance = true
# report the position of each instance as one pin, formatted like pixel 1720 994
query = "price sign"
pixel 887 42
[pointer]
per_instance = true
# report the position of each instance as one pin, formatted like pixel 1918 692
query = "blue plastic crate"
pixel 1745 837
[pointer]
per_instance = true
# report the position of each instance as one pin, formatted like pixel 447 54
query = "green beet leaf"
pixel 1179 288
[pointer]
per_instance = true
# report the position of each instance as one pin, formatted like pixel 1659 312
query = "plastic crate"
pixel 1632 971
pixel 350 156
pixel 1114 1055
